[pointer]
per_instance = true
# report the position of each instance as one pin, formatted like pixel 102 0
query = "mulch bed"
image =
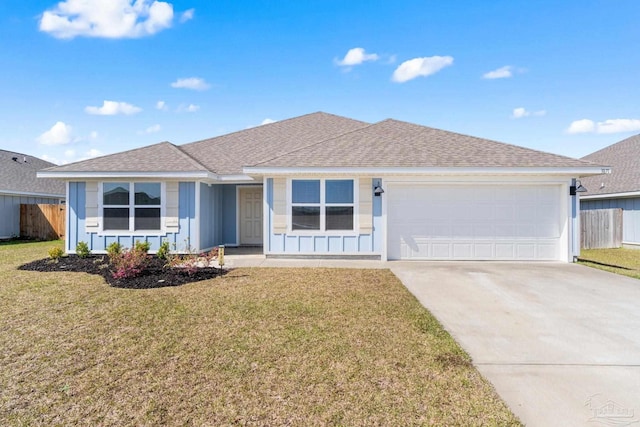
pixel 156 275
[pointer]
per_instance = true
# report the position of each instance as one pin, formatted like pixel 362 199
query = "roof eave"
pixel 579 172
pixel 67 176
pixel 32 194
pixel 620 195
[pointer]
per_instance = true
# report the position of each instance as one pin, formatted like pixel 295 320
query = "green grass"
pixel 254 347
pixel 620 261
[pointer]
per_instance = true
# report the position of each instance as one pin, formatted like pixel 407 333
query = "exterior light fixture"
pixel 377 190
pixel 577 188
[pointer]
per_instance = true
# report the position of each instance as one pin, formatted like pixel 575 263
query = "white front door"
pixel 250 215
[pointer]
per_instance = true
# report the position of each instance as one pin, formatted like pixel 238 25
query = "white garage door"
pixel 475 222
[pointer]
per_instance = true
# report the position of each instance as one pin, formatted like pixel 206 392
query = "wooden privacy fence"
pixel 42 222
pixel 601 228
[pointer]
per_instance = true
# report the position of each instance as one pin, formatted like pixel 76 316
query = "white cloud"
pixel 420 67
pixel 356 56
pixel 521 112
pixel 111 108
pixel 93 135
pixel 194 83
pixel 267 121
pixel 604 127
pixel 187 15
pixel 71 156
pixel 581 126
pixel 191 108
pixel 107 18
pixel 151 129
pixel 59 134
pixel 619 125
pixel 500 73
pixel 162 106
pixel 94 152
pixel 51 159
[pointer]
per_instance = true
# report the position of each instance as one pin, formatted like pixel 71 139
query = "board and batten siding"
pixel 10 211
pixel 366 241
pixel 218 215
pixel 630 215
pixel 98 242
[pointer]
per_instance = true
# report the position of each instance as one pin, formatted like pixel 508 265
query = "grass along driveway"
pixel 620 260
pixel 255 347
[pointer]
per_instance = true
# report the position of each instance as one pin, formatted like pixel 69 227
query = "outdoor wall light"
pixel 577 188
pixel 377 190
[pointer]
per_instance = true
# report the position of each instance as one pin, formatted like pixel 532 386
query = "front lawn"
pixel 621 260
pixel 253 347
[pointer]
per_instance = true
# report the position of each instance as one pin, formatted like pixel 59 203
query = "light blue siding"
pixel 10 211
pixel 365 244
pixel 210 223
pixel 98 242
pixel 229 215
pixel 630 215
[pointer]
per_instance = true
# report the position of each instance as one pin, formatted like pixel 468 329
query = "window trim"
pixel 323 205
pixel 132 207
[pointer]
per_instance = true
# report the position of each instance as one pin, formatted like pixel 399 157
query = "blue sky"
pixel 81 78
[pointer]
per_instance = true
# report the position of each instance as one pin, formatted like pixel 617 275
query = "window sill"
pixel 322 233
pixel 132 233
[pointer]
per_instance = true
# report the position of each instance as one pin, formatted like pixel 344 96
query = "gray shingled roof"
pixel 227 154
pixel 392 143
pixel 324 140
pixel 623 158
pixel 161 157
pixel 19 176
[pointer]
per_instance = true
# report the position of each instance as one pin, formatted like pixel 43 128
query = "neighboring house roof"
pixel 622 157
pixel 322 140
pixel 19 176
pixel 393 143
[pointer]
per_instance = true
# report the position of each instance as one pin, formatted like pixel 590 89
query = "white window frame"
pixel 323 205
pixel 132 209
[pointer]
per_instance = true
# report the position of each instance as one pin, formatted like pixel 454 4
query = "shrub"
pixel 163 250
pixel 113 249
pixel 142 246
pixel 192 262
pixel 56 253
pixel 82 250
pixel 130 263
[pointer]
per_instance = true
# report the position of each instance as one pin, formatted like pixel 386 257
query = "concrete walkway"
pixel 232 261
pixel 559 342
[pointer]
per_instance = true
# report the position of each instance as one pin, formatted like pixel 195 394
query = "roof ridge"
pixel 210 140
pixel 316 143
pixel 189 158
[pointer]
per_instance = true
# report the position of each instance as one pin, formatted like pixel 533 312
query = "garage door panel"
pixel 474 222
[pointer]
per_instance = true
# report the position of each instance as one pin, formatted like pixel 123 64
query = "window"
pixel 322 204
pixel 123 209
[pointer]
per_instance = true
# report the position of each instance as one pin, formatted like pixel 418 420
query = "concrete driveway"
pixel 560 342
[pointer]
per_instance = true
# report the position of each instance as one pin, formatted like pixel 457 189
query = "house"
pixel 620 188
pixel 325 185
pixel 19 185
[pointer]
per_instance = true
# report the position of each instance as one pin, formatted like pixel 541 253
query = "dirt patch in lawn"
pixel 156 275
